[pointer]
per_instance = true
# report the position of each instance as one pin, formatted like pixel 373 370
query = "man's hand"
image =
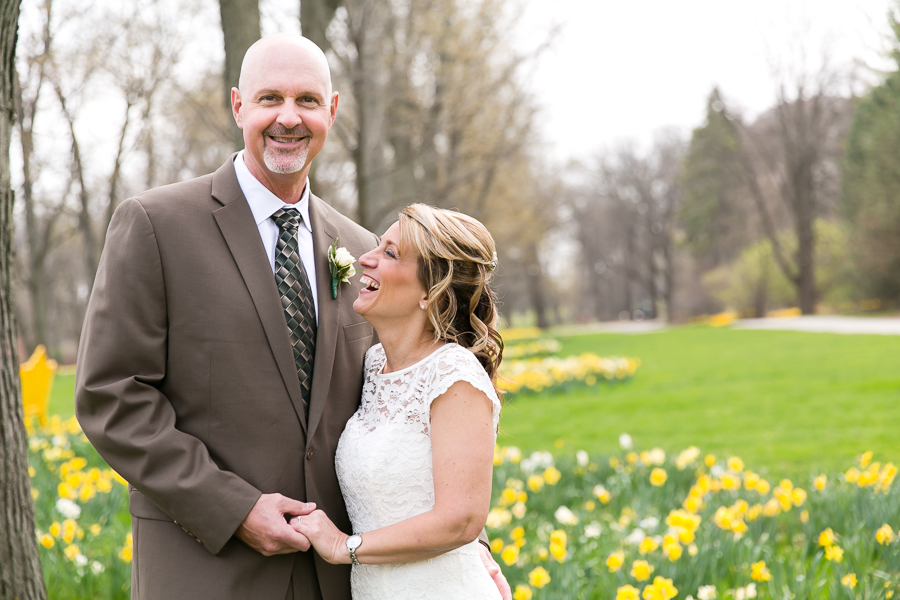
pixel 266 530
pixel 494 571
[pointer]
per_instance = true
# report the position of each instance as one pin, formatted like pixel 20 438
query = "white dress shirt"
pixel 263 205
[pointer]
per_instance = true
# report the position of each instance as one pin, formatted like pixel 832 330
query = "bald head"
pixel 279 45
pixel 285 106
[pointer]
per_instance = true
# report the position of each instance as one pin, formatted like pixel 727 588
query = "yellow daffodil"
pixel 523 592
pixel 658 477
pixel 735 464
pixel 849 580
pixel 660 589
pixel 827 538
pixel 627 592
pixel 47 541
pixel 510 554
pixel 589 505
pixel 602 494
pixel 730 482
pixel 496 545
pixel 535 483
pixel 552 475
pixel 538 577
pixel 709 460
pixel 647 545
pixel 672 551
pixel 820 482
pixel 641 570
pixel 615 561
pixel 750 480
pixel 72 552
pixel 759 572
pixel 865 459
pixel 885 535
pixel 804 517
pixel 834 553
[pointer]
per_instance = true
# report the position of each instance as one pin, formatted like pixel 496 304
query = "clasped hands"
pixel 267 530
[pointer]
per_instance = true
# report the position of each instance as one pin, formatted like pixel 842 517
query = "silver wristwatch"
pixel 354 542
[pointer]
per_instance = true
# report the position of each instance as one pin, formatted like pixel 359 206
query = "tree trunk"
pixel 806 243
pixel 535 278
pixel 240 27
pixel 315 15
pixel 20 567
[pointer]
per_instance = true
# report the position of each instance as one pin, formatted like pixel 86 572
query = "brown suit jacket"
pixel 187 387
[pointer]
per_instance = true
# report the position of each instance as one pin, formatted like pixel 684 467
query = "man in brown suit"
pixel 187 384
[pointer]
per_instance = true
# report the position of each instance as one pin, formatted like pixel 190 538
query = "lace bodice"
pixel 384 465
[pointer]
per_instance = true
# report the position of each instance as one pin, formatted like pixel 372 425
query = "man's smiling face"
pixel 285 108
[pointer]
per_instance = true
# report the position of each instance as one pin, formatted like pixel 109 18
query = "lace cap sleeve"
pixel 458 364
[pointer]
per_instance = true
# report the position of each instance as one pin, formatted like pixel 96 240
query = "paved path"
pixel 826 324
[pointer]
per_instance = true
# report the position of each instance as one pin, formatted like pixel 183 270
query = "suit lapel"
pixel 324 233
pixel 239 229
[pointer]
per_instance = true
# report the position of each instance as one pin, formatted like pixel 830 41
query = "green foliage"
pixel 753 283
pixel 871 185
pixel 795 402
pixel 712 174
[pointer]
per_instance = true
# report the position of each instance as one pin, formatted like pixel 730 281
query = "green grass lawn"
pixel 62 396
pixel 790 402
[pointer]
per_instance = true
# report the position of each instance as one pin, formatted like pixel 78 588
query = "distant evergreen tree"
pixel 871 185
pixel 712 179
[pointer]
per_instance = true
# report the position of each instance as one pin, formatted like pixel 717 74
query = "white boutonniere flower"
pixel 340 261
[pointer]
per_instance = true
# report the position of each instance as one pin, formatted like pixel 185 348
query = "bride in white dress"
pixel 415 461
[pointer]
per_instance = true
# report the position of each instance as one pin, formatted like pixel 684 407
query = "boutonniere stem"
pixel 340 262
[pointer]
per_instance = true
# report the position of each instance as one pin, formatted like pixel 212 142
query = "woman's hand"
pixel 329 541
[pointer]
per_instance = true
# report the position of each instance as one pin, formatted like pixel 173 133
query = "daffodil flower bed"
pixel 536 375
pixel 81 512
pixel 532 349
pixel 656 527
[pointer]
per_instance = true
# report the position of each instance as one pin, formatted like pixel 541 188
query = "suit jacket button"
pixel 309 454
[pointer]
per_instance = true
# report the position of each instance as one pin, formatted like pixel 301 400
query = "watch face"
pixel 353 542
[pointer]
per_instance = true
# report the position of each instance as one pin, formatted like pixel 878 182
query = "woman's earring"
pixel 422 305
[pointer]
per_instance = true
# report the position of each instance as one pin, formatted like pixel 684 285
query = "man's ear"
pixel 334 104
pixel 236 106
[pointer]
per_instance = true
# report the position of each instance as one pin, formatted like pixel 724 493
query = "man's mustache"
pixel 282 131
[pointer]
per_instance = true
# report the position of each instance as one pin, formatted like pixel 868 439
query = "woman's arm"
pixel 462 439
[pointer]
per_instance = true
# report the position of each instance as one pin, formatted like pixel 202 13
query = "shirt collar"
pixel 263 203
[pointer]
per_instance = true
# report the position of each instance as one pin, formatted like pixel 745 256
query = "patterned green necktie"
pixel 296 298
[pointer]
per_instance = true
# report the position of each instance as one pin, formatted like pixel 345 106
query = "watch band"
pixel 354 542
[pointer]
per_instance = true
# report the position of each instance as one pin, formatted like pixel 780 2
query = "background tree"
pixel 20 567
pixel 714 214
pixel 626 223
pixel 870 198
pixel 790 157
pixel 240 28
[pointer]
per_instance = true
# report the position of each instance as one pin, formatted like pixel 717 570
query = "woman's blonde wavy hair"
pixel 456 262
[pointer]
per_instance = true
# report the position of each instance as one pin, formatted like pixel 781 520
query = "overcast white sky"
pixel 625 68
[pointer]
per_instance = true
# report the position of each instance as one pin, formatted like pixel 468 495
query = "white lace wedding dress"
pixel 383 463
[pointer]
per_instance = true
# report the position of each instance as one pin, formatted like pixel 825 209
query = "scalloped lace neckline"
pixel 382 375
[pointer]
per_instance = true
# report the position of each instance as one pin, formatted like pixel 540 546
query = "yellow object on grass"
pixel 37 375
